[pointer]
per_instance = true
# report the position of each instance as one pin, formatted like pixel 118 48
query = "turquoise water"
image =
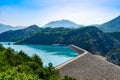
pixel 55 54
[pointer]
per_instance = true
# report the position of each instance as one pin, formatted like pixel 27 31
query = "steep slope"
pixel 111 26
pixel 114 54
pixel 89 67
pixel 46 36
pixel 115 35
pixel 89 38
pixel 62 23
pixel 15 35
pixel 4 27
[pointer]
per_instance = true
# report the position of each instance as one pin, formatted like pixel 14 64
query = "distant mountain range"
pixel 16 35
pixel 4 27
pixel 96 40
pixel 111 26
pixel 62 23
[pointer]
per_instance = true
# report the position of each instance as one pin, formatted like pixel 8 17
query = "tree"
pixel 1 47
pixel 38 60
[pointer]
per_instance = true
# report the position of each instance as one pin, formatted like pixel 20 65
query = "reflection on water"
pixel 54 54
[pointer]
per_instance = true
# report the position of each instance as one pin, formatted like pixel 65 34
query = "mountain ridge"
pixel 4 28
pixel 16 35
pixel 62 23
pixel 88 38
pixel 111 26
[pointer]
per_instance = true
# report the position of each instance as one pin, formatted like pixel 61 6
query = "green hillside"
pixel 19 66
pixel 89 38
pixel 115 35
pixel 21 34
pixel 111 26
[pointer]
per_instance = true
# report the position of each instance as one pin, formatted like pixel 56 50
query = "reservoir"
pixel 54 54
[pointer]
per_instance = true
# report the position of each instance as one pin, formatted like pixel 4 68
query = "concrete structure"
pixel 87 66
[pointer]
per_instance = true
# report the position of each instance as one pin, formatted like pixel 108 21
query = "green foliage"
pixel 1 47
pixel 37 60
pixel 13 74
pixel 89 38
pixel 19 66
pixel 68 78
pixel 115 35
pixel 114 56
pixel 21 34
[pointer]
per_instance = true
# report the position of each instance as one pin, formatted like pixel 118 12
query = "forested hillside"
pixel 111 26
pixel 19 66
pixel 115 35
pixel 21 34
pixel 89 38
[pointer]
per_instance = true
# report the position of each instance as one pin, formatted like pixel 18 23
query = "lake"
pixel 55 54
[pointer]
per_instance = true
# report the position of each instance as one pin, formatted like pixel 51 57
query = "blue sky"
pixel 40 12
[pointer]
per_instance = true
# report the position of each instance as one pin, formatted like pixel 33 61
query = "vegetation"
pixel 114 56
pixel 21 34
pixel 89 38
pixel 19 66
pixel 111 26
pixel 115 35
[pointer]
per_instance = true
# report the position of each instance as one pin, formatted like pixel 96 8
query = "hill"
pixel 15 35
pixel 46 36
pixel 4 27
pixel 87 66
pixel 111 26
pixel 19 66
pixel 115 35
pixel 62 23
pixel 89 38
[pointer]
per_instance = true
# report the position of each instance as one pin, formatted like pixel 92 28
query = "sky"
pixel 40 12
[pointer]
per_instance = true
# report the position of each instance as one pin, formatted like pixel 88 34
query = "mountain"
pixel 62 23
pixel 111 26
pixel 4 27
pixel 15 35
pixel 89 38
pixel 87 66
pixel 115 35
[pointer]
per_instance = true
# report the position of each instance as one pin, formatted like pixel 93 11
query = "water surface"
pixel 54 54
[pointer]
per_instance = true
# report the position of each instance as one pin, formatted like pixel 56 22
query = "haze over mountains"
pixel 110 26
pixel 4 27
pixel 62 23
